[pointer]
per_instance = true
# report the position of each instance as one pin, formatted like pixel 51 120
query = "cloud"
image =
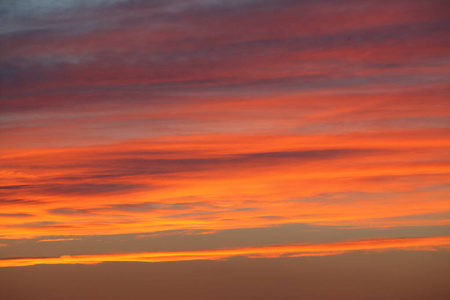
pixel 158 54
pixel 421 243
pixel 68 211
pixel 13 187
pixel 136 116
pixel 88 188
pixel 16 8
pixel 58 240
pixel 206 182
pixel 18 202
pixel 79 189
pixel 39 224
pixel 15 215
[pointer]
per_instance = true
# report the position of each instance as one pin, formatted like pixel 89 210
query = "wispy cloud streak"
pixel 122 117
pixel 255 252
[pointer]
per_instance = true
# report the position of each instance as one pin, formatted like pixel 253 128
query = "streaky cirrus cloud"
pixel 424 243
pixel 130 117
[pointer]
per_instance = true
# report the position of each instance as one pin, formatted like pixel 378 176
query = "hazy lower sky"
pixel 212 149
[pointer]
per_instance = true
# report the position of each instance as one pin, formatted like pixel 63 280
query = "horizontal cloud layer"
pixel 268 251
pixel 142 117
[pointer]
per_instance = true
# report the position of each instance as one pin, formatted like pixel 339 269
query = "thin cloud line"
pixel 420 243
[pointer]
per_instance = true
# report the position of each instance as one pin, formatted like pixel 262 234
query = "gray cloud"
pixel 68 211
pixel 11 202
pixel 19 8
pixel 81 189
pixel 16 215
pixel 38 224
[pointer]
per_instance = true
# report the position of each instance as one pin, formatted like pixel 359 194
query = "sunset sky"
pixel 224 149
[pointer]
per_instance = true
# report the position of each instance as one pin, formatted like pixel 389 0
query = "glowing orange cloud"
pixel 190 116
pixel 427 243
pixel 151 186
pixel 57 240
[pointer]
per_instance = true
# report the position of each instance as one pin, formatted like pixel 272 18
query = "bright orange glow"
pixel 158 126
pixel 427 243
pixel 278 176
pixel 57 240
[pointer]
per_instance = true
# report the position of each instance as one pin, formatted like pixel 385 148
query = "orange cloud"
pixel 57 240
pixel 424 243
pixel 207 183
pixel 198 119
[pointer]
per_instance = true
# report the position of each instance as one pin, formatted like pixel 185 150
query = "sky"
pixel 209 149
